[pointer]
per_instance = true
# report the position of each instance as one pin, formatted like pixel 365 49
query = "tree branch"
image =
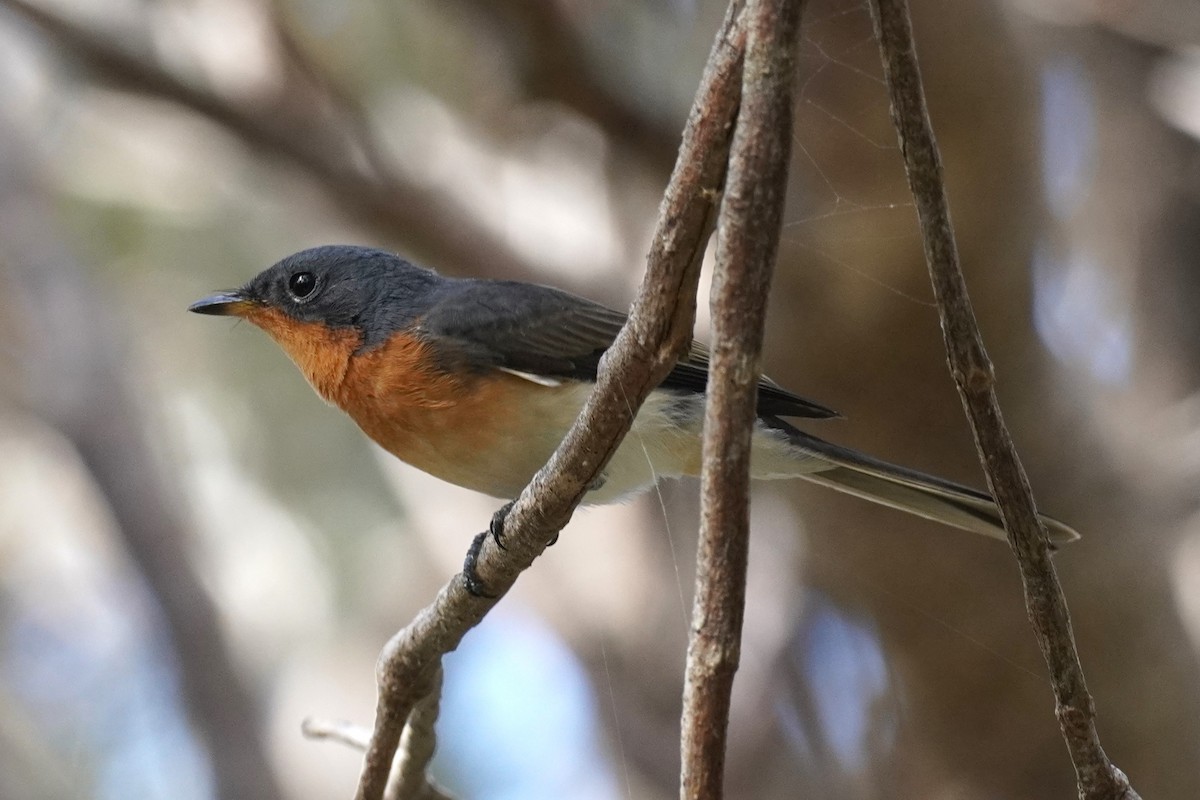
pixel 748 238
pixel 410 770
pixel 1096 776
pixel 657 334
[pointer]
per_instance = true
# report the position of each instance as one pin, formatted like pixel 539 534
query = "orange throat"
pixel 322 353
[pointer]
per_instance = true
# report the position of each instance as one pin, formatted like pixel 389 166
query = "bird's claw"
pixel 496 526
pixel 471 580
pixel 475 585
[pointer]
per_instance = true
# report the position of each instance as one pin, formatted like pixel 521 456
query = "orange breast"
pixel 487 432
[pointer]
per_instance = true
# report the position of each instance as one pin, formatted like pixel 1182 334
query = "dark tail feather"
pixel 908 490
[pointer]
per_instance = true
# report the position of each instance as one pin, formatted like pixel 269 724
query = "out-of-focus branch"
pixel 747 242
pixel 657 334
pixel 71 369
pixel 327 138
pixel 551 59
pixel 1096 776
pixel 75 367
pixel 350 734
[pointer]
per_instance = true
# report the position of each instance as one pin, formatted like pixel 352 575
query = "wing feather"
pixel 546 333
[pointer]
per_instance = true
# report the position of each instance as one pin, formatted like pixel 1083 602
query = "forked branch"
pixel 658 332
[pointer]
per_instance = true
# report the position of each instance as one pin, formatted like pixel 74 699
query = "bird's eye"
pixel 302 284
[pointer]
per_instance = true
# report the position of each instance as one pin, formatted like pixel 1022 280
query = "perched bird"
pixel 477 382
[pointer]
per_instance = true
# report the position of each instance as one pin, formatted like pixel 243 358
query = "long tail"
pixel 908 490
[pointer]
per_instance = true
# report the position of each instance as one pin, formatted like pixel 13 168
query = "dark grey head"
pixel 340 286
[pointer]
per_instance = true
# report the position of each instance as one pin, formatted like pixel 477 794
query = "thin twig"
pixel 410 771
pixel 747 241
pixel 1096 776
pixel 651 343
pixel 351 734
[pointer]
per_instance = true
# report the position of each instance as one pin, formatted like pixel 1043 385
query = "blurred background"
pixel 196 553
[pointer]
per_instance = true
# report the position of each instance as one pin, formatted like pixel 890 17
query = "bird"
pixel 476 381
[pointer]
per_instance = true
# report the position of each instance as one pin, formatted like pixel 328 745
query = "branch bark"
pixel 658 332
pixel 410 771
pixel 1096 776
pixel 748 238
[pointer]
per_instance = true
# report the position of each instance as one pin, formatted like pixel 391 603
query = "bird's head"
pixel 326 304
pixel 345 289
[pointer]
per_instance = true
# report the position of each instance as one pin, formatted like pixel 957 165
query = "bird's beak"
pixel 225 304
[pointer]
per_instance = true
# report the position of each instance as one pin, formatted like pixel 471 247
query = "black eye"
pixel 302 284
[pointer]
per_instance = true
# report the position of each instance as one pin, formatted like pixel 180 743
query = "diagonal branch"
pixel 748 239
pixel 550 54
pixel 320 130
pixel 1096 776
pixel 657 334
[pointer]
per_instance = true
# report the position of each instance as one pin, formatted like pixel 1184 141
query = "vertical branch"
pixel 1096 776
pixel 748 237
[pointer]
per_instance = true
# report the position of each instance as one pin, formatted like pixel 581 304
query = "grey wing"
pixel 537 330
pixel 773 399
pixel 548 335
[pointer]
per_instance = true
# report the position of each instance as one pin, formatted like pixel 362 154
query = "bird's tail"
pixel 905 489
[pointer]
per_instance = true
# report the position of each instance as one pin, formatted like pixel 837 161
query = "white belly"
pixel 665 442
pixel 499 458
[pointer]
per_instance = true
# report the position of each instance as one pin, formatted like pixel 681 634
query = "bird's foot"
pixel 471 580
pixel 475 585
pixel 496 526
